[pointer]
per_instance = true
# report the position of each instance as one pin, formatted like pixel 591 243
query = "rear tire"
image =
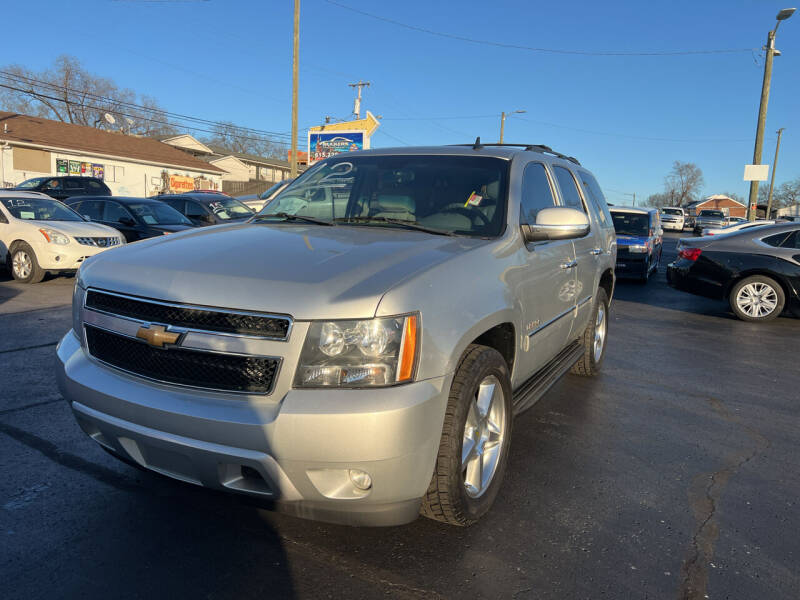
pixel 473 440
pixel 23 264
pixel 596 332
pixel 756 299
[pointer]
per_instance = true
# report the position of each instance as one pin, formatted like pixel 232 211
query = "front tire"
pixel 757 298
pixel 594 339
pixel 473 450
pixel 23 264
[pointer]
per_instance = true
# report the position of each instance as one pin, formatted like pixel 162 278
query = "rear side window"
pixel 73 184
pixel 784 240
pixel 92 209
pixel 569 190
pixel 536 193
pixel 95 187
pixel 592 191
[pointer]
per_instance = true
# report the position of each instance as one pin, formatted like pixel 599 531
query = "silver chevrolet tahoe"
pixel 357 351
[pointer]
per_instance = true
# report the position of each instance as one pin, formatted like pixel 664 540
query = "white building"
pixel 129 165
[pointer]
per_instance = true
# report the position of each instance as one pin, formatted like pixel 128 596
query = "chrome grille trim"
pixel 98 242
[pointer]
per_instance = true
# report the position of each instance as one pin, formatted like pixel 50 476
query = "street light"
pixel 503 120
pixel 762 109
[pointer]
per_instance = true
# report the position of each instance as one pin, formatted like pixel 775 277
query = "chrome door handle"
pixel 570 265
pixel 595 251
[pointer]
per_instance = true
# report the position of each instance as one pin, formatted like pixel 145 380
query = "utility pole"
pixel 503 116
pixel 774 167
pixel 295 69
pixel 357 103
pixel 762 108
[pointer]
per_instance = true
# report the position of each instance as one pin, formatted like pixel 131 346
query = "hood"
pixel 78 228
pixel 307 271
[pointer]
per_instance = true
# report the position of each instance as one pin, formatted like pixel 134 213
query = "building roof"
pixel 221 152
pixel 35 131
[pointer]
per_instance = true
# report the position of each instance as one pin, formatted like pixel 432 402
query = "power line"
pixel 15 78
pixel 535 49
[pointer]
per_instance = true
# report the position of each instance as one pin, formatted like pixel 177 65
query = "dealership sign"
pixel 324 144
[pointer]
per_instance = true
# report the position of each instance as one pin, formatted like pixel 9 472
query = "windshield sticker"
pixel 149 219
pixel 19 202
pixel 473 200
pixel 216 206
pixel 27 215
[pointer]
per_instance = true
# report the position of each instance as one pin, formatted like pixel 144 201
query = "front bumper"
pixel 54 257
pixel 293 452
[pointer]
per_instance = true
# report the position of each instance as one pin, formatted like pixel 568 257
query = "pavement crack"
pixel 37 346
pixel 51 400
pixel 704 499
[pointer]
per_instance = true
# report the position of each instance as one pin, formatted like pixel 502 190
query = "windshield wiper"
pixel 400 222
pixel 289 217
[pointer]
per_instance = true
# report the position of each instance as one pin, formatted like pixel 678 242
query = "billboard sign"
pixel 180 183
pixel 324 144
pixel 756 172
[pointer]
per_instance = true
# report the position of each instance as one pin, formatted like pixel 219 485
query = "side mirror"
pixel 558 223
pixel 127 221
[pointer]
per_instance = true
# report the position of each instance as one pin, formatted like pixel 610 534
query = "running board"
pixel 527 394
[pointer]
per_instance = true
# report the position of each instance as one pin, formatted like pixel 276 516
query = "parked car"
pixel 359 359
pixel 710 218
pixel 757 270
pixel 65 187
pixel 257 201
pixel 673 218
pixel 738 226
pixel 207 209
pixel 39 235
pixel 137 218
pixel 639 241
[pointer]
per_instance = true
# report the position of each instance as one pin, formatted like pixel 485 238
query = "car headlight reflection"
pixel 359 353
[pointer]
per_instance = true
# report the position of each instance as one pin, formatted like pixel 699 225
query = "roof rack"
pixel 541 148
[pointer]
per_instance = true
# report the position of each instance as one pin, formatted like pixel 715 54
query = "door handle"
pixel 570 265
pixel 596 251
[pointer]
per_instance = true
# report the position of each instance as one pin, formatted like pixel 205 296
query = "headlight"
pixel 638 249
pixel 77 306
pixel 367 352
pixel 54 237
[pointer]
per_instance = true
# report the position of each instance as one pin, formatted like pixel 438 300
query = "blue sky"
pixel 627 118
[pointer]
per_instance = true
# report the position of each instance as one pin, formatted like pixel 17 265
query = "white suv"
pixel 40 235
pixel 673 218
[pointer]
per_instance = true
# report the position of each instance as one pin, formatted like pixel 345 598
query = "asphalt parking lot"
pixel 674 474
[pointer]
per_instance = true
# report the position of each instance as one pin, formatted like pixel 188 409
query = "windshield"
pixel 672 211
pixel 229 208
pixel 40 209
pixel 156 213
pixel 712 213
pixel 631 223
pixel 274 188
pixel 464 195
pixel 31 183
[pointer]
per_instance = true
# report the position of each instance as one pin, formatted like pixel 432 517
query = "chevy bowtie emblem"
pixel 157 336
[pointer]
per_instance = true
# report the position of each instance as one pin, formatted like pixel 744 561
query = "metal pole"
pixel 295 60
pixel 634 198
pixel 762 117
pixel 774 166
pixel 502 125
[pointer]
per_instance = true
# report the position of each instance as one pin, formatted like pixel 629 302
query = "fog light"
pixel 360 479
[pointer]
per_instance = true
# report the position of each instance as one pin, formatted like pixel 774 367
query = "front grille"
pixel 191 317
pixel 223 372
pixel 99 242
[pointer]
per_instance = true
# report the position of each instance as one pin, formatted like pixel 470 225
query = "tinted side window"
pixel 569 191
pixel 93 209
pixel 194 210
pixel 592 191
pixel 3 217
pixel 95 187
pixel 73 184
pixel 175 203
pixel 114 212
pixel 536 193
pixel 776 240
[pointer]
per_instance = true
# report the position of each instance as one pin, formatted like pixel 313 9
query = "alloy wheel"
pixel 757 299
pixel 484 432
pixel 599 332
pixel 21 265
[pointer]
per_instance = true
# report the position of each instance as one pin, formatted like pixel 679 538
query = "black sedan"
pixel 136 218
pixel 756 270
pixel 203 208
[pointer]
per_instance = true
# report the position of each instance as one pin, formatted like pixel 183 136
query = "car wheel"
pixel 23 264
pixel 757 298
pixel 473 450
pixel 594 338
pixel 646 275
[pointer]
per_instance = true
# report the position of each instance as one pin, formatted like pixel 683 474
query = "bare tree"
pixel 659 200
pixel 237 139
pixel 67 92
pixel 787 194
pixel 683 183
